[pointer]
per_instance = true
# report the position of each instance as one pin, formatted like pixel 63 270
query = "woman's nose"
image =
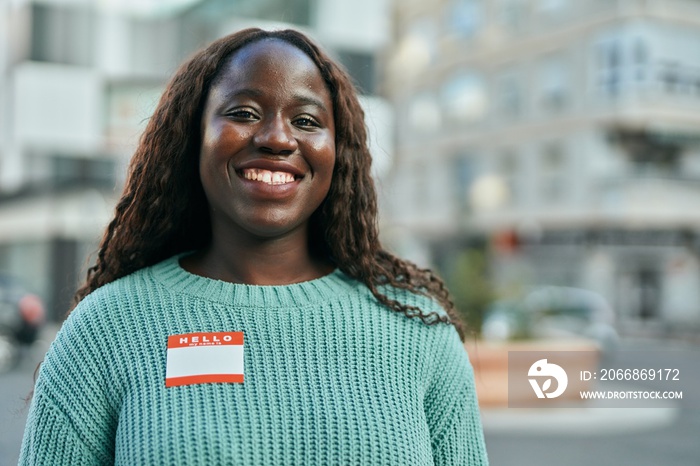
pixel 275 136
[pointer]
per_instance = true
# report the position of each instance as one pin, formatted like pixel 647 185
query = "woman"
pixel 241 309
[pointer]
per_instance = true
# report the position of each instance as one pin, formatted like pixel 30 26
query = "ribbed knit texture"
pixel 331 378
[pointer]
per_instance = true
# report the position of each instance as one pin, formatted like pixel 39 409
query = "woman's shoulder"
pixel 119 297
pixel 141 281
pixel 111 315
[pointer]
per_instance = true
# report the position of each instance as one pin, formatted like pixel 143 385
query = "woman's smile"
pixel 265 184
pixel 268 177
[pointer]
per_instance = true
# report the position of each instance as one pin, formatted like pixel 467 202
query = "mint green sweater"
pixel 331 378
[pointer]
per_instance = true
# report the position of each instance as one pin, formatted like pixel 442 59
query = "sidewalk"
pixel 590 420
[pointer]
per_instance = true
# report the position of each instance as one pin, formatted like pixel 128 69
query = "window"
pixel 508 168
pixel 422 185
pixel 513 15
pixel 552 8
pixel 464 97
pixel 640 56
pixel 509 95
pixel 416 50
pixel 553 79
pixel 464 172
pixel 73 171
pixel 424 113
pixel 552 169
pixel 62 34
pixel 128 106
pixel 650 153
pixel 609 58
pixel 361 67
pixel 671 77
pixel 464 17
pixel 422 39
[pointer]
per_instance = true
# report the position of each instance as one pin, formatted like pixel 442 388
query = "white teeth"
pixel 267 176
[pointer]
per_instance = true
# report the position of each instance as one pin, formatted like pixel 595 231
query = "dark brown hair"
pixel 163 197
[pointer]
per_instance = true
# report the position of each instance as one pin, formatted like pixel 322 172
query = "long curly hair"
pixel 163 197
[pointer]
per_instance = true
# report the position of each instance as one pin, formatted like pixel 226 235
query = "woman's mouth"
pixel 267 176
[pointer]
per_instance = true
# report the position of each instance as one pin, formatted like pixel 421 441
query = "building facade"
pixel 565 133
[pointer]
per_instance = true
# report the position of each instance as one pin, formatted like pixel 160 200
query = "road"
pixel 641 437
pixel 15 386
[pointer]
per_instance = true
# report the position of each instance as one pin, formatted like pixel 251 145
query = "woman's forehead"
pixel 269 54
pixel 271 64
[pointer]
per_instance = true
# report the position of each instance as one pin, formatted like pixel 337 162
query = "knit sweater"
pixel 331 377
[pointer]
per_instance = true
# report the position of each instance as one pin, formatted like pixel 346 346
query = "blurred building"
pixel 78 81
pixel 566 133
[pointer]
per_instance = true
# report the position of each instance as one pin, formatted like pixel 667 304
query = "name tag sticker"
pixel 213 357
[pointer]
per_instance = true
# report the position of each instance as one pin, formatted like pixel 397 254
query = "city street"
pixel 667 435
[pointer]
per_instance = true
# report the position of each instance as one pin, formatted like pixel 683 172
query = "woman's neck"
pixel 278 261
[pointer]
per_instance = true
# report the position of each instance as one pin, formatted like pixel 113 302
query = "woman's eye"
pixel 305 122
pixel 243 115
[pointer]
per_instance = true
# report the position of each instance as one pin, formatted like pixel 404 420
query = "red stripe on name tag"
pixel 205 339
pixel 208 378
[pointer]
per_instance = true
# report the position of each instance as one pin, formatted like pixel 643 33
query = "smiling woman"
pixel 242 309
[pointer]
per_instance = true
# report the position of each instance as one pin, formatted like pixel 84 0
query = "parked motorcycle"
pixel 22 315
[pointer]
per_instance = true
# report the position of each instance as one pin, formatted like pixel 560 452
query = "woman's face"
pixel 268 141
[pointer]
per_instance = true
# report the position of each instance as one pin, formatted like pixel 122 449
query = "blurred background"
pixel 542 155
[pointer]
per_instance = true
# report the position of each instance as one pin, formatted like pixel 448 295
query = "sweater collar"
pixel 171 274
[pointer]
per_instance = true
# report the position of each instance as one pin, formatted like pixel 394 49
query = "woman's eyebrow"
pixel 310 100
pixel 242 93
pixel 304 99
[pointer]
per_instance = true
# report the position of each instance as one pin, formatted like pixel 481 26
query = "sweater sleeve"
pixel 451 406
pixel 51 438
pixel 73 416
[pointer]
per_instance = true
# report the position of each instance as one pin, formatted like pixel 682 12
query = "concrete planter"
pixel 491 370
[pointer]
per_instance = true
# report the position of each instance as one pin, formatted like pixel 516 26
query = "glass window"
pixel 422 38
pixel 671 77
pixel 464 97
pixel 650 153
pixel 640 55
pixel 464 173
pixel 641 52
pixel 360 65
pixel 552 169
pixel 423 183
pixel 415 51
pixel 553 79
pixel 72 171
pixel 62 34
pixel 609 59
pixel 508 163
pixel 509 94
pixel 552 7
pixel 464 17
pixel 424 113
pixel 513 15
pixel 508 168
